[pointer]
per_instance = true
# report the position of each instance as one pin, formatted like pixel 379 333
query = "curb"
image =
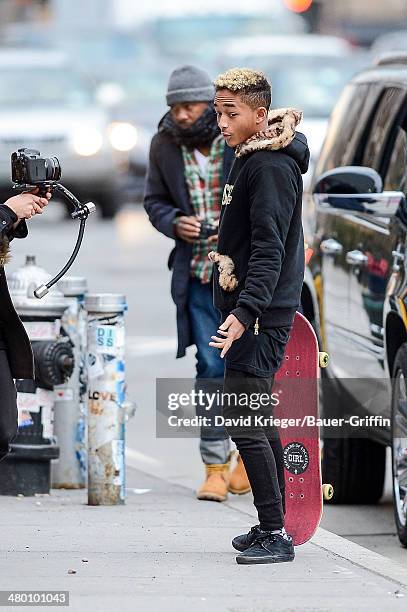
pixel 358 555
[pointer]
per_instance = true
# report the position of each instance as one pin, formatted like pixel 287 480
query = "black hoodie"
pixel 260 256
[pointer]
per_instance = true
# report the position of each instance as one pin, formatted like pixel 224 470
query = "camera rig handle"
pixel 81 212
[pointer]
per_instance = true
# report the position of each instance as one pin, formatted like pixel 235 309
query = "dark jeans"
pixel 8 404
pixel 259 447
pixel 205 320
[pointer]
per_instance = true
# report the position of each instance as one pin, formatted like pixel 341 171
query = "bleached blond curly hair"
pixel 252 85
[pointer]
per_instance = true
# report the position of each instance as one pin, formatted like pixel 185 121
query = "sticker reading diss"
pixel 296 458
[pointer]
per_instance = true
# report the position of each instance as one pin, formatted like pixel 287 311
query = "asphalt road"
pixel 128 256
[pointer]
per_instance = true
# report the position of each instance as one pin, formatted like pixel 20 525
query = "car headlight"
pixel 123 136
pixel 87 141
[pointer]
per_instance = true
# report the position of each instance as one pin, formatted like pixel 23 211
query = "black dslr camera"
pixel 207 230
pixel 29 168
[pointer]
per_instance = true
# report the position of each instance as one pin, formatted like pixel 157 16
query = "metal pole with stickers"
pixel 106 398
pixel 70 417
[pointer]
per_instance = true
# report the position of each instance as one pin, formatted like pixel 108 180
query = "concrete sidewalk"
pixel 164 550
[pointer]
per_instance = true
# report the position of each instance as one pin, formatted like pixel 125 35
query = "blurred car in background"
pixel 391 41
pixel 48 105
pixel 307 71
pixel 138 50
pixel 130 58
pixel 197 35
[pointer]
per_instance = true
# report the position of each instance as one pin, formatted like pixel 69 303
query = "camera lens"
pixel 53 169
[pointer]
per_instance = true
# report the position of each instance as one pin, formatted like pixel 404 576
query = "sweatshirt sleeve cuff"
pixel 8 215
pixel 245 317
pixel 21 231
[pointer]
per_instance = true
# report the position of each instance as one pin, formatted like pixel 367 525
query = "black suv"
pixel 355 289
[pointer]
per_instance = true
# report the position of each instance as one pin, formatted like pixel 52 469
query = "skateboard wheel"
pixel 323 359
pixel 327 491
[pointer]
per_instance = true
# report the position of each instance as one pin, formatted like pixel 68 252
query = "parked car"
pixel 307 71
pixel 47 105
pixel 391 41
pixel 355 291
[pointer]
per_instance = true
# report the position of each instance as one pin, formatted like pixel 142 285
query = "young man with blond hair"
pixel 188 167
pixel 258 275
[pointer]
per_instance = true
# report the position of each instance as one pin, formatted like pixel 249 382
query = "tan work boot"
pixel 215 487
pixel 238 481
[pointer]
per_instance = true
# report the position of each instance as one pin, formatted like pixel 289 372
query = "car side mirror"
pixel 356 189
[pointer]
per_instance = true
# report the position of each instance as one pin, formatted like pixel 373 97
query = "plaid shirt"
pixel 206 198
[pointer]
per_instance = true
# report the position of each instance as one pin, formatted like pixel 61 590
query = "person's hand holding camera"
pixel 193 228
pixel 187 228
pixel 27 204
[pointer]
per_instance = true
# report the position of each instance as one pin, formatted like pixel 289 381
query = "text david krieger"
pixel 258 420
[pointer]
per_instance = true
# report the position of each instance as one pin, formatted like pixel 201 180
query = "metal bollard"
pixel 70 417
pixel 106 399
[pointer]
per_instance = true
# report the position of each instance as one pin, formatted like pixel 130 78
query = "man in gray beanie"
pixel 189 84
pixel 188 167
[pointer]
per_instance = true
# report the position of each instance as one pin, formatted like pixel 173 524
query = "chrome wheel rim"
pixel 400 447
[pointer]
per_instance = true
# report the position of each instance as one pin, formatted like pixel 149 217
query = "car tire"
pixel 399 441
pixel 355 467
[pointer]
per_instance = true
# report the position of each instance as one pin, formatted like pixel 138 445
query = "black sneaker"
pixel 268 548
pixel 241 542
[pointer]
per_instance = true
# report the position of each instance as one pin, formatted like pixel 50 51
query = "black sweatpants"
pixel 8 404
pixel 260 447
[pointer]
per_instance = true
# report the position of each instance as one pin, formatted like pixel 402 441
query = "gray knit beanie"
pixel 189 84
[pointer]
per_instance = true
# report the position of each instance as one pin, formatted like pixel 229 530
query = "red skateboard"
pixel 297 385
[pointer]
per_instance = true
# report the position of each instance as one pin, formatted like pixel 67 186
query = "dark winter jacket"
pixel 259 267
pixel 166 197
pixel 12 332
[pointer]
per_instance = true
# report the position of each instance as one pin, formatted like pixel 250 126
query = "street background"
pixel 164 548
pixel 128 255
pixel 89 86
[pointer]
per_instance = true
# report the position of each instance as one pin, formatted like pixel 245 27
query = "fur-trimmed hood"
pixel 280 134
pixel 4 252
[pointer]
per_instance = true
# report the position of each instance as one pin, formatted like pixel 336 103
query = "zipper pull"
pixel 256 327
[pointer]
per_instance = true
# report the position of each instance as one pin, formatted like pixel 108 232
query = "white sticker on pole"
pixel 95 366
pixel 120 337
pixel 63 395
pixel 24 418
pixel 47 421
pixel 42 330
pixel 118 461
pixel 45 397
pixel 28 401
pixel 106 339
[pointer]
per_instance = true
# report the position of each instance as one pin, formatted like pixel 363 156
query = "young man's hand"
pixel 232 330
pixel 27 204
pixel 187 228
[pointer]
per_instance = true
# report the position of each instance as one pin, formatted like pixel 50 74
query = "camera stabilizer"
pixel 82 212
pixel 28 171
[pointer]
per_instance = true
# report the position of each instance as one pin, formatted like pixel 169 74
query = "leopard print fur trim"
pixel 227 278
pixel 280 132
pixel 4 251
